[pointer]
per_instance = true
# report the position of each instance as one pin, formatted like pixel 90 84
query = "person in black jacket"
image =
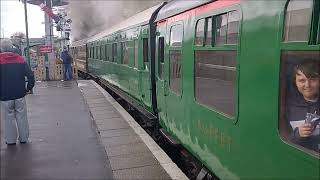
pixel 13 89
pixel 303 104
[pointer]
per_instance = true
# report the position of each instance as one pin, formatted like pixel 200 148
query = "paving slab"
pixel 146 172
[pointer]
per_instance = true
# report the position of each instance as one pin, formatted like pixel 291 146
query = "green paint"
pixel 248 145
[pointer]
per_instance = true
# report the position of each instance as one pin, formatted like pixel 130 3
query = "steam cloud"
pixel 90 17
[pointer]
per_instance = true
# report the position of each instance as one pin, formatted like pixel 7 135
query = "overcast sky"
pixel 12 19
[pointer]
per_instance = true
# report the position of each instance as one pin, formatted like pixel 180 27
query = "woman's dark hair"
pixel 309 69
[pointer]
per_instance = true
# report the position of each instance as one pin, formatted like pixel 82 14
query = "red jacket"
pixel 13 71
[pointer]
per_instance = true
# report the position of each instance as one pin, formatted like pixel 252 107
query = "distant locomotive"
pixel 215 76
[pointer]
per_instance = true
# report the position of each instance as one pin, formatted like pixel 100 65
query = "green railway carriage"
pixel 79 54
pixel 217 75
pixel 120 56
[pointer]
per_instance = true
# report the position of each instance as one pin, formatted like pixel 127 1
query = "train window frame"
pixel 286 90
pixel 106 54
pixel 295 46
pixel 125 53
pixel 145 45
pixel 101 53
pixel 172 28
pixel 114 52
pixel 161 52
pixel 110 59
pixel 219 67
pixel 122 47
pixel 195 42
pixel 93 52
pixel 97 52
pixel 224 47
pixel 312 27
pixel 206 27
pixel 174 48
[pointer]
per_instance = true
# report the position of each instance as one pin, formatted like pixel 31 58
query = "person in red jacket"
pixel 13 88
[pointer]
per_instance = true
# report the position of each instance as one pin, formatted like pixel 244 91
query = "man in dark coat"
pixel 13 88
pixel 67 60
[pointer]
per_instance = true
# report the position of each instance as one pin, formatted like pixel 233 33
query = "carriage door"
pixel 169 84
pixel 161 83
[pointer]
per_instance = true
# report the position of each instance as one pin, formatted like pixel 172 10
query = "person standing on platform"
pixel 67 60
pixel 13 88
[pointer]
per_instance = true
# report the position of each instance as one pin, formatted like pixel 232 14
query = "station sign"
pixel 45 48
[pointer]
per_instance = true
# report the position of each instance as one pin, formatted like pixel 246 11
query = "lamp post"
pixel 27 31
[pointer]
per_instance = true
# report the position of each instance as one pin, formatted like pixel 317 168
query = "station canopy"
pixel 54 2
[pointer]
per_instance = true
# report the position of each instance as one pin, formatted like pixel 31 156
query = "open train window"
pixel 298 18
pixel 145 52
pixel 299 121
pixel 161 57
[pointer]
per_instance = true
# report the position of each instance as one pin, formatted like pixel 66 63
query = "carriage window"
pixel 122 47
pixel 114 52
pixel 161 56
pixel 106 54
pixel 91 52
pixel 215 71
pixel 125 53
pixel 97 52
pixel 209 31
pixel 297 20
pixel 136 55
pixel 299 121
pixel 233 27
pixel 199 32
pixel 175 71
pixel 110 50
pixel 221 29
pixel 176 35
pixel 227 28
pixel 101 52
pixel 145 52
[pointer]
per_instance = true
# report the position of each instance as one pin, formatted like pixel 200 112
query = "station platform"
pixel 78 131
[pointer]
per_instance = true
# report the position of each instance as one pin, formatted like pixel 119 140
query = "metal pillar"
pixel 27 31
pixel 48 39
